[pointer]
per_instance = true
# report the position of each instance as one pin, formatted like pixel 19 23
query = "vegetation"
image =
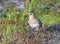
pixel 14 20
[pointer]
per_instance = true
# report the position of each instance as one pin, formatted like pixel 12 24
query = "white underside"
pixel 34 25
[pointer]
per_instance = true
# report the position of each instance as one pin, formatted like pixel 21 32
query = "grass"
pixel 12 24
pixel 18 22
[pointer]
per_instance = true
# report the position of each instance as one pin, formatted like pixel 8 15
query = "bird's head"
pixel 31 15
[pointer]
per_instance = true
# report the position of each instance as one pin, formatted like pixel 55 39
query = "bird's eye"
pixel 31 14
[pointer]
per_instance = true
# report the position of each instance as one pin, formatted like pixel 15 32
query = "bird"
pixel 34 23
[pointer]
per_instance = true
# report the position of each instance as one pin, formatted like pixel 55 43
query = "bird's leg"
pixel 36 31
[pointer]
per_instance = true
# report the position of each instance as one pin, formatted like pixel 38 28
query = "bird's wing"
pixel 40 23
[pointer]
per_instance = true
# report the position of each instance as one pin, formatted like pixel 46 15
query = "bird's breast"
pixel 33 23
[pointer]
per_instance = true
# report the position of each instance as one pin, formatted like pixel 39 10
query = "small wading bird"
pixel 33 22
